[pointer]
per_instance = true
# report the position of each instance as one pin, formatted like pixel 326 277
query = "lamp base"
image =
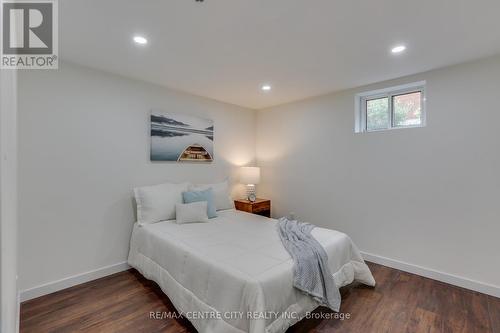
pixel 251 193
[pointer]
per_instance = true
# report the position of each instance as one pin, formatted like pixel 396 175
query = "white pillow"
pixel 221 193
pixel 191 212
pixel 157 203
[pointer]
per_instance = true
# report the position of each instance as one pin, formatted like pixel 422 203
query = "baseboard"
pixel 71 281
pixel 481 287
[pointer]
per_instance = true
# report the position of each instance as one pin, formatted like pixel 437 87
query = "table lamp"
pixel 250 176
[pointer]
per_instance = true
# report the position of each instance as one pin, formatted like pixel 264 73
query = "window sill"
pixel 388 129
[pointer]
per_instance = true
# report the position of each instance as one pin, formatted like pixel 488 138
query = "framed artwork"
pixel 181 138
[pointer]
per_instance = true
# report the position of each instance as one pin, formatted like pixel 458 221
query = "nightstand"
pixel 259 207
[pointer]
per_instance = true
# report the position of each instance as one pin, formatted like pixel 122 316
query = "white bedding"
pixel 217 273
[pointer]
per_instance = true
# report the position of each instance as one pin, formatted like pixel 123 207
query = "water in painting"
pixel 182 138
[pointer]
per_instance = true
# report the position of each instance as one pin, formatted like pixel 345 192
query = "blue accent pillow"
pixel 206 195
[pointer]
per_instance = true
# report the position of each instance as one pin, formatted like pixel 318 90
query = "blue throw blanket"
pixel 311 272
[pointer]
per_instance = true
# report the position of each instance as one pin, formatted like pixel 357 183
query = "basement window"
pixel 390 108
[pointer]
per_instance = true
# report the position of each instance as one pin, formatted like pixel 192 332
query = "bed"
pixel 233 274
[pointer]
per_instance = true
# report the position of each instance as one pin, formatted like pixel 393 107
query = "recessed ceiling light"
pixel 265 87
pixel 140 40
pixel 398 49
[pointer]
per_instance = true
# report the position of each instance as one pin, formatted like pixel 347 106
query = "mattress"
pixel 233 274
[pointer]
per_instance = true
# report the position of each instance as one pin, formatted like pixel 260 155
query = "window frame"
pixel 361 100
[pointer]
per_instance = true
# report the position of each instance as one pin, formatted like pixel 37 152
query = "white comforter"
pixel 233 274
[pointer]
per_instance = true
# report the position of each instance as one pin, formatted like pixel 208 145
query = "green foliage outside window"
pixel 377 114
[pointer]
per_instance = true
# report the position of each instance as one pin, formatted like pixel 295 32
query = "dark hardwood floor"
pixel 401 302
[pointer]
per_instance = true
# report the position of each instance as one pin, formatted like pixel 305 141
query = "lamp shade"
pixel 250 175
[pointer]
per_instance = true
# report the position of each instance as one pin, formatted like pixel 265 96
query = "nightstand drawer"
pixel 262 206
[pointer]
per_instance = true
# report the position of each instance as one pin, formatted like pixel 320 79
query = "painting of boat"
pixel 181 138
pixel 195 153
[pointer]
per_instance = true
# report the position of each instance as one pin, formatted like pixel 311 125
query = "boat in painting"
pixel 195 153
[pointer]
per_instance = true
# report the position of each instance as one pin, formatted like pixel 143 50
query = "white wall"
pixel 426 196
pixel 9 309
pixel 83 146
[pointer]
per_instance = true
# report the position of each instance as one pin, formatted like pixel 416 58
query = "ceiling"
pixel 226 49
